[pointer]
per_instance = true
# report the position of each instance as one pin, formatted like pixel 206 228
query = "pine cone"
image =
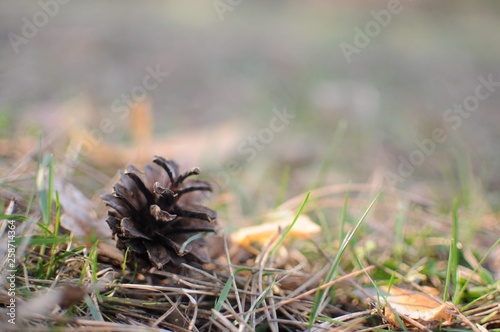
pixel 156 214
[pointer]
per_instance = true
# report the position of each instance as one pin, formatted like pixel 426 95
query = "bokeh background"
pixel 230 64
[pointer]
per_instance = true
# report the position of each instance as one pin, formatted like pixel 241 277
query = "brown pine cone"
pixel 157 216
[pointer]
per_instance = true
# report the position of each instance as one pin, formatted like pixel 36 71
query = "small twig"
pixel 175 290
pixel 327 285
pixel 231 271
pixel 166 314
pixel 463 318
pixel 224 321
pixel 236 316
pixel 192 302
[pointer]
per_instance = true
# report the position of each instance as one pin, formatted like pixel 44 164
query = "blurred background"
pixel 269 98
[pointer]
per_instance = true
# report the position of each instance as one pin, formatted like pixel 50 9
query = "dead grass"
pixel 69 283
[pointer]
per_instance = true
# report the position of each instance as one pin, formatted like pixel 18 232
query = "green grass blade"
pixel 343 216
pixel 456 253
pixel 223 295
pixel 125 258
pixel 45 229
pixel 40 240
pixel 321 295
pixel 191 239
pixel 58 215
pixel 227 287
pixel 54 257
pixel 262 296
pixel 45 187
pixel 452 273
pixel 93 261
pixel 13 217
pixel 289 228
pixel 94 312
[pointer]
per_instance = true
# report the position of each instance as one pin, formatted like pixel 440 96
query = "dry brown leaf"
pixel 70 295
pixel 417 306
pixel 274 223
pixel 79 214
pixel 43 302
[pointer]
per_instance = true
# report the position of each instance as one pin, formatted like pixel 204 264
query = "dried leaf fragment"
pixel 417 306
pixel 274 223
pixel 79 214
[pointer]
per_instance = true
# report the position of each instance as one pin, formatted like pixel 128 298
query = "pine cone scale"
pixel 158 254
pixel 129 230
pixel 115 203
pixel 161 215
pixel 142 188
pixel 129 185
pixel 169 166
pixel 196 211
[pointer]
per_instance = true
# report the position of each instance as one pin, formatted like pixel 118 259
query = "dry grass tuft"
pixel 69 283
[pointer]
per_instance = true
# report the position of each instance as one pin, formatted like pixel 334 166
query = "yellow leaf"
pixel 274 223
pixel 416 305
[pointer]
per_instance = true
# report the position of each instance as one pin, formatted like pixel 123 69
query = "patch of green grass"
pixel 485 276
pixel 91 263
pixel 419 255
